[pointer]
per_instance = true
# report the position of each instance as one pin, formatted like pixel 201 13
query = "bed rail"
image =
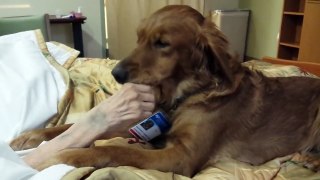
pixel 313 68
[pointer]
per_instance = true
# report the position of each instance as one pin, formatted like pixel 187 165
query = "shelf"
pixel 293 13
pixel 291 29
pixel 294 6
pixel 299 35
pixel 286 52
pixel 289 44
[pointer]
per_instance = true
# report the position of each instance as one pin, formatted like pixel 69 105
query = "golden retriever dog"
pixel 217 107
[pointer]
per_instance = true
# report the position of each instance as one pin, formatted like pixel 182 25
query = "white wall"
pixel 93 29
pixel 264 28
pixel 220 4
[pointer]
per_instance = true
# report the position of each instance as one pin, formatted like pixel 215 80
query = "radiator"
pixel 234 24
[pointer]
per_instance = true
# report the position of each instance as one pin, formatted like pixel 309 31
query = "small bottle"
pixel 151 127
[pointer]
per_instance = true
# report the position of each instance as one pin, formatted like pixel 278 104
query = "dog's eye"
pixel 161 44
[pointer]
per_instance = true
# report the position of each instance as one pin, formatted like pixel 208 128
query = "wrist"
pixel 97 122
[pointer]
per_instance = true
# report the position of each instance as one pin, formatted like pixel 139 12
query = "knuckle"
pixel 135 95
pixel 153 106
pixel 129 85
pixel 137 105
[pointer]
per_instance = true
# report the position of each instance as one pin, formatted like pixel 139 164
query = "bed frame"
pixel 313 68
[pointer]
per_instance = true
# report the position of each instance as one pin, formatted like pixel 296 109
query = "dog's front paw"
pixel 27 140
pixel 73 157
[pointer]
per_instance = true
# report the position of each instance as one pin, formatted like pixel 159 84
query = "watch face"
pixel 147 124
pixel 151 127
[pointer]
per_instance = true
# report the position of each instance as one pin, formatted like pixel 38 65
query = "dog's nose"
pixel 120 74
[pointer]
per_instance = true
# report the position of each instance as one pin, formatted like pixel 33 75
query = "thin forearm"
pixel 78 135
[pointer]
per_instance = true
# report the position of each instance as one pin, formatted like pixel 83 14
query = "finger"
pixel 148 106
pixel 141 87
pixel 147 97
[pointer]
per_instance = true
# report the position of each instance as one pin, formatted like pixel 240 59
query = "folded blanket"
pixel 90 83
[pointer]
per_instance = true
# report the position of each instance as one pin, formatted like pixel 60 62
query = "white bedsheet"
pixel 30 89
pixel 13 167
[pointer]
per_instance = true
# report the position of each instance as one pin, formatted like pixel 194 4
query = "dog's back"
pixel 272 117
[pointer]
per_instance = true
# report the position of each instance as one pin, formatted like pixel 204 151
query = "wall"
pixel 262 38
pixel 124 16
pixel 220 4
pixel 264 27
pixel 93 29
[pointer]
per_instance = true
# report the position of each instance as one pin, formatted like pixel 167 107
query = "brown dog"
pixel 218 108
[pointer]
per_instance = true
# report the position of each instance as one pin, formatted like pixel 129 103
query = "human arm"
pixel 131 103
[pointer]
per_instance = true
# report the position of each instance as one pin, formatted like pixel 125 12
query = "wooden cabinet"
pixel 300 31
pixel 291 27
pixel 310 36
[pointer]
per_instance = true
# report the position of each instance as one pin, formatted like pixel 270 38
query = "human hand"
pixel 133 102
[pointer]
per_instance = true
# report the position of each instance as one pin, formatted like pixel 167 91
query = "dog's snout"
pixel 120 74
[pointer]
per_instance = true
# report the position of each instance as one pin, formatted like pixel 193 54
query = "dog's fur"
pixel 218 108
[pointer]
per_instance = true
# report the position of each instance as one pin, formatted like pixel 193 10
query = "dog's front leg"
pixel 32 139
pixel 172 159
pixel 190 145
pixel 177 156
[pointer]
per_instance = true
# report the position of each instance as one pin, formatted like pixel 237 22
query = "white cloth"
pixel 12 167
pixel 60 54
pixel 30 88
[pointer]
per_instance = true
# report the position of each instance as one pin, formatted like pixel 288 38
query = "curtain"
pixel 124 16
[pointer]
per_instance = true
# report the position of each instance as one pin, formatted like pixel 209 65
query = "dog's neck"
pixel 181 92
pixel 173 94
pixel 180 99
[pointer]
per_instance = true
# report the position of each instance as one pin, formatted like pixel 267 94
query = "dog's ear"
pixel 215 46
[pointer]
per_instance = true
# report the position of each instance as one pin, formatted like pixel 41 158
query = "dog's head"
pixel 178 52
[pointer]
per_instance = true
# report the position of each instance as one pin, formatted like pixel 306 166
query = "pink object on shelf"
pixel 77 15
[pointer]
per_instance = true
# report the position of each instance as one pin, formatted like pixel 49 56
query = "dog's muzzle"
pixel 120 74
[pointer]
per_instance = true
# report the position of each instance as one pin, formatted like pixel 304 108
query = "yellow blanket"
pixel 90 82
pixel 283 168
pixel 277 169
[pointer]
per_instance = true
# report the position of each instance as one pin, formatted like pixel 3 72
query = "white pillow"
pixel 29 87
pixel 63 54
pixel 26 35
